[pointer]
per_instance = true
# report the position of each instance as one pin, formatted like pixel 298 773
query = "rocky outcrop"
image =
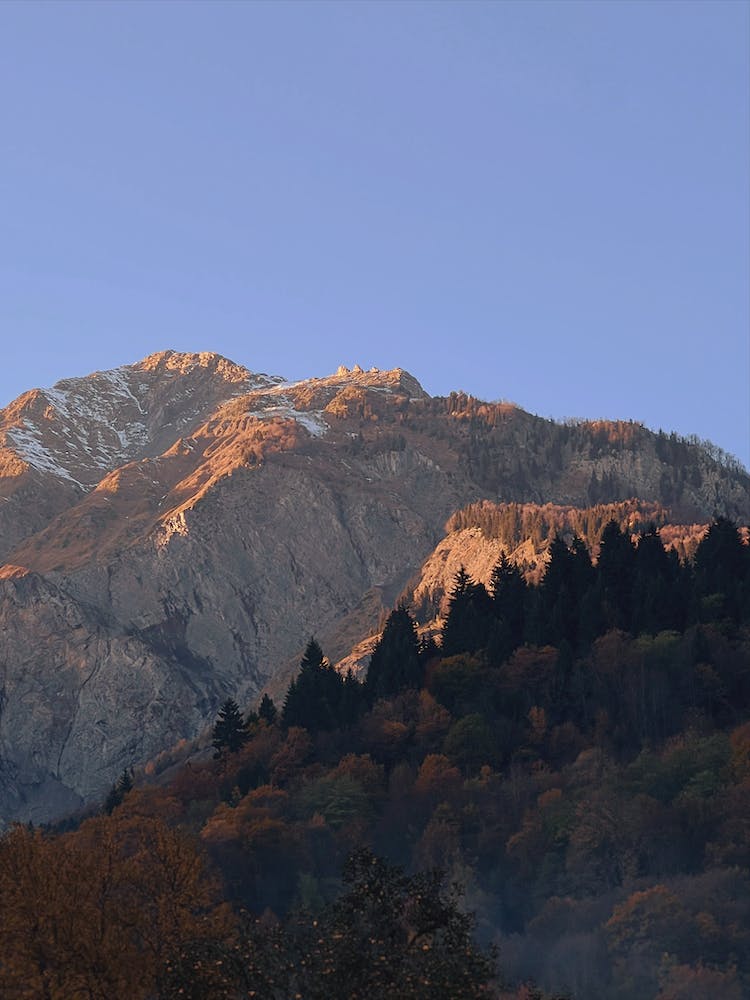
pixel 176 530
pixel 83 700
pixel 478 536
pixel 58 443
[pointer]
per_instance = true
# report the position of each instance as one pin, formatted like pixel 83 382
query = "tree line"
pixel 580 780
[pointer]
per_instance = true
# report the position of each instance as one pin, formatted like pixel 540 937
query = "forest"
pixel 553 801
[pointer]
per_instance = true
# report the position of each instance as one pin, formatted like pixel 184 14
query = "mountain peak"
pixel 392 379
pixel 182 363
pixel 85 426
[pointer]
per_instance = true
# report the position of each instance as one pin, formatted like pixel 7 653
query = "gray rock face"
pixel 176 530
pixel 83 699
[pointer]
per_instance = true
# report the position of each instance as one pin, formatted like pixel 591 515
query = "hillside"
pixel 557 792
pixel 175 530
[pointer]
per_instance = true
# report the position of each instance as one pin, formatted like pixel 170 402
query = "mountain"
pixel 174 531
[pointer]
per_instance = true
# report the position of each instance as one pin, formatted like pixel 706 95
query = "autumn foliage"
pixel 578 778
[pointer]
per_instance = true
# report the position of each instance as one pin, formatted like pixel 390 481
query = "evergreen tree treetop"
pixel 469 621
pixel 119 790
pixel 230 733
pixel 313 656
pixel 267 710
pixel 395 662
pixel 319 698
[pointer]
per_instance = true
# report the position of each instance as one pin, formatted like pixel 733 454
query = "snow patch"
pixel 91 425
pixel 311 420
pixel 26 441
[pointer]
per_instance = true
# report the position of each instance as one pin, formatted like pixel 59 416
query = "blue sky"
pixel 544 202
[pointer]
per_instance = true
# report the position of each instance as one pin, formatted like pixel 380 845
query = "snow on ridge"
pixel 26 441
pixel 311 420
pixel 116 377
pixel 94 423
pixel 97 422
pixel 90 417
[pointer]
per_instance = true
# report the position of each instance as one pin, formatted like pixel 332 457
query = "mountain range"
pixel 172 533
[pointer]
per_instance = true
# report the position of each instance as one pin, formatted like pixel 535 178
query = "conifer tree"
pixel 508 592
pixel 315 699
pixel 353 700
pixel 615 571
pixel 395 662
pixel 557 611
pixel 230 733
pixel 565 604
pixel 656 600
pixel 722 568
pixel 267 710
pixel 470 617
pixel 118 791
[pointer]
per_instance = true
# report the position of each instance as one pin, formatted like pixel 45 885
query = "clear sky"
pixel 542 202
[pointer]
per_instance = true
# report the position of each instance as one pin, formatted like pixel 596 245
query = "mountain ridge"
pixel 250 513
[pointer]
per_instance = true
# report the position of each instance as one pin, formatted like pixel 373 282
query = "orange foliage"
pixel 95 913
pixel 363 769
pixel 433 721
pixel 256 821
pixel 696 982
pixel 653 920
pixel 291 755
pixel 437 777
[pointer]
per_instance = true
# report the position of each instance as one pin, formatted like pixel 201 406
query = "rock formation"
pixel 173 532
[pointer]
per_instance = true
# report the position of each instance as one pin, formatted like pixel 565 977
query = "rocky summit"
pixel 173 531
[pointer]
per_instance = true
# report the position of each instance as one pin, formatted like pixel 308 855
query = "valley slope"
pixel 174 531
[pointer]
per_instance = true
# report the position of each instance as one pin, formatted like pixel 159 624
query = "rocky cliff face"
pixel 476 538
pixel 175 530
pixel 56 444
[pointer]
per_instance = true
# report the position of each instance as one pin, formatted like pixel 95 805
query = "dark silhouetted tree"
pixel 230 733
pixel 267 710
pixel 118 791
pixel 560 595
pixel 615 574
pixel 508 592
pixel 317 698
pixel 658 601
pixel 388 935
pixel 468 625
pixel 722 567
pixel 395 662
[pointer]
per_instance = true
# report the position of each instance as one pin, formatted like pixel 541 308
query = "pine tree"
pixel 470 619
pixel 557 611
pixel 508 592
pixel 353 700
pixel 615 572
pixel 118 791
pixel 315 699
pixel 395 662
pixel 656 595
pixel 722 569
pixel 230 732
pixel 267 710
